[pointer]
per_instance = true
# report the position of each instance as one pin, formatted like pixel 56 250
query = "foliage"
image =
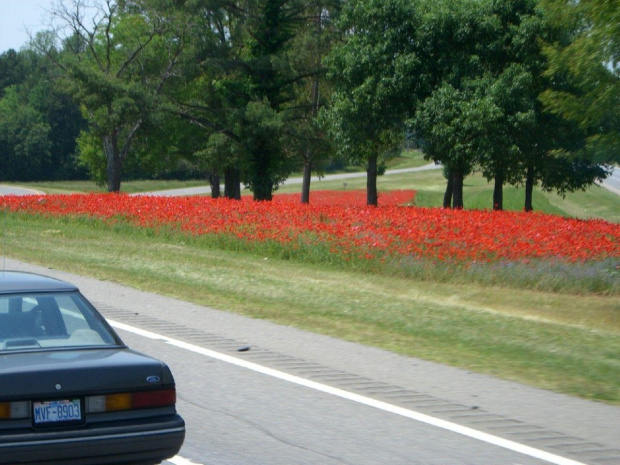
pixel 43 144
pixel 483 111
pixel 584 64
pixel 115 66
pixel 243 88
pixel 13 69
pixel 24 138
pixel 374 73
pixel 244 83
pixel 457 125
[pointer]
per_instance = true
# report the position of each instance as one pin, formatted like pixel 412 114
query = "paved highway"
pixel 613 182
pixel 202 190
pixel 10 190
pixel 253 392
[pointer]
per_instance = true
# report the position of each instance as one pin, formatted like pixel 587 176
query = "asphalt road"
pixel 10 190
pixel 202 190
pixel 613 182
pixel 295 397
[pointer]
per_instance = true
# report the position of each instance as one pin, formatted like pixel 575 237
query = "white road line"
pixel 176 460
pixel 421 417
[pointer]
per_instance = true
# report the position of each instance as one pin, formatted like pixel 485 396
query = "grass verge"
pixel 567 343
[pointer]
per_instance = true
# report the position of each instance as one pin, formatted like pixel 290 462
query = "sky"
pixel 19 16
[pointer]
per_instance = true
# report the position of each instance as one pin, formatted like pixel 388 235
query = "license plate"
pixel 57 411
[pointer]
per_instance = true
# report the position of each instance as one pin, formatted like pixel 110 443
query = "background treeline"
pixel 250 91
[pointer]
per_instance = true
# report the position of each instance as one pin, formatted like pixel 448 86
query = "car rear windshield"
pixel 51 320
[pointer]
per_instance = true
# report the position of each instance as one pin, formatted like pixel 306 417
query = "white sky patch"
pixel 17 18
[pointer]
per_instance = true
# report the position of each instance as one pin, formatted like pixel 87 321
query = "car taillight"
pixel 131 401
pixel 14 410
pixel 149 399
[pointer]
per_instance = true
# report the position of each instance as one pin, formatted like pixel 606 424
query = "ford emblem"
pixel 152 379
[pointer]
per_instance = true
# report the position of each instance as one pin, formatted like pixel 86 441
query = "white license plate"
pixel 57 411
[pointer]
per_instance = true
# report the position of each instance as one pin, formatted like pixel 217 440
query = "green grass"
pixel 564 342
pixel 407 159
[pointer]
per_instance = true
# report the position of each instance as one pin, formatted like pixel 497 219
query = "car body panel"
pixel 86 371
pixel 12 282
pixel 145 441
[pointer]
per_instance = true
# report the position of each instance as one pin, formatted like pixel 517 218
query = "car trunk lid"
pixel 32 374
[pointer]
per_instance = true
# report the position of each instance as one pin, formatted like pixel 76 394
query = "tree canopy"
pixel 584 68
pixel 522 91
pixel 375 73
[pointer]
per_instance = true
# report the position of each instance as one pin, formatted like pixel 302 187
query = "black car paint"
pixel 78 372
pixel 33 374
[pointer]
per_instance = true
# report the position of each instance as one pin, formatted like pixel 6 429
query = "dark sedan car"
pixel 70 391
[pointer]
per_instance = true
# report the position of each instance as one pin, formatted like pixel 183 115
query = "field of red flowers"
pixel 342 222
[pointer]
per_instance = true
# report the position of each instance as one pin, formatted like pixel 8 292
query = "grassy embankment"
pixel 566 341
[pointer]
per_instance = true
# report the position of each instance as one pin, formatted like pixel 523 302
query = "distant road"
pixel 10 190
pixel 203 190
pixel 612 183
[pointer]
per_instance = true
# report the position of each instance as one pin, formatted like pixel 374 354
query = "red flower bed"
pixel 348 227
pixel 348 198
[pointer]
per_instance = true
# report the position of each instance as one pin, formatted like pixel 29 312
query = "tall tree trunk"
pixel 457 189
pixel 214 182
pixel 114 163
pixel 316 95
pixel 447 196
pixel 305 187
pixel 529 189
pixel 232 183
pixel 372 198
pixel 115 154
pixel 261 175
pixel 498 191
pixel 262 190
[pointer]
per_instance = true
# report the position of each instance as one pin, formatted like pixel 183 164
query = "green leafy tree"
pixel 210 93
pixel 584 69
pixel 24 139
pixel 374 73
pixel 242 90
pixel 37 97
pixel 483 112
pixel 116 65
pixel 308 136
pixel 51 98
pixel 13 69
pixel 456 117
pixel 457 126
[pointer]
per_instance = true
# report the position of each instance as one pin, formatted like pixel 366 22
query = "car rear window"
pixel 50 320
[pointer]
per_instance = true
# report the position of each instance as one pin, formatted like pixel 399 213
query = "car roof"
pixel 18 281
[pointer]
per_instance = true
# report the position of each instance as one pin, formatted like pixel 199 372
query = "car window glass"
pixel 50 320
